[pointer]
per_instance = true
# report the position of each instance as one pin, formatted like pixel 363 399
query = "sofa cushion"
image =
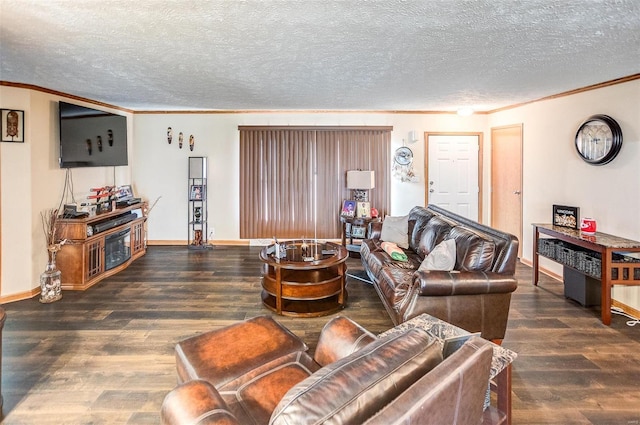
pixel 395 229
pixel 418 219
pixel 435 232
pixel 475 252
pixel 395 283
pixel 298 357
pixel 442 257
pixel 354 388
pixel 367 246
pixel 255 400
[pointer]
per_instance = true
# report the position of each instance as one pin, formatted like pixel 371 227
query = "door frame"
pixel 480 156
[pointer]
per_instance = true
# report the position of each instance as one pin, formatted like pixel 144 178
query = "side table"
pixel 354 228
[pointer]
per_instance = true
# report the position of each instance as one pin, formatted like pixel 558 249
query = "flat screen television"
pixel 91 138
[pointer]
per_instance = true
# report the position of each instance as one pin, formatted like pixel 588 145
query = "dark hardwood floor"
pixel 105 355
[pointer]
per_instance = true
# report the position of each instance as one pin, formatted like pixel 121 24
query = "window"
pixel 293 179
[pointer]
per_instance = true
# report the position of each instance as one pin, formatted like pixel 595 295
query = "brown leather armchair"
pixel 358 379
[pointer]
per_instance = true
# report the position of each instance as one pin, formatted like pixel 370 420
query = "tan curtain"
pixel 293 179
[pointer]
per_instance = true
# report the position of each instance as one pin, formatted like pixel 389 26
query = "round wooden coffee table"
pixel 309 286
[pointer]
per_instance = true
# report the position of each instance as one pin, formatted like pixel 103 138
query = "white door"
pixel 506 180
pixel 452 170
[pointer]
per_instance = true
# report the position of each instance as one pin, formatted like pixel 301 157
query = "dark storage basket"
pixel 547 247
pixel 566 254
pixel 589 263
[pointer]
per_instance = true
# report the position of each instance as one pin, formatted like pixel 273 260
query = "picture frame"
pixel 363 210
pixel 358 231
pixel 196 193
pixel 12 125
pixel 124 192
pixel 566 216
pixel 348 209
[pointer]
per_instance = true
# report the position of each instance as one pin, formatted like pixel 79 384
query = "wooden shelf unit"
pixel 82 259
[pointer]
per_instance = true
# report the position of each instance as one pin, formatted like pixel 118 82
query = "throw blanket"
pixel 393 250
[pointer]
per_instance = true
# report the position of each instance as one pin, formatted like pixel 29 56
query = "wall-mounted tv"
pixel 91 138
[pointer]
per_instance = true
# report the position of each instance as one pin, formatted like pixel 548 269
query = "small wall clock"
pixel 598 140
pixel 403 156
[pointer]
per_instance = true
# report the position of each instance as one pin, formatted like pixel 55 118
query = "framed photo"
pixel 363 210
pixel 196 194
pixel 124 192
pixel 566 216
pixel 12 125
pixel 358 232
pixel 348 209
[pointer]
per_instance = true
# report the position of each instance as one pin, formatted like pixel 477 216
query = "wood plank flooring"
pixel 105 355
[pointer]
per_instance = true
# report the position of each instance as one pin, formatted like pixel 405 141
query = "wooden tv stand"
pixel 98 246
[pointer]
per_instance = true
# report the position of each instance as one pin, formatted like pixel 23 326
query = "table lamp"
pixel 360 182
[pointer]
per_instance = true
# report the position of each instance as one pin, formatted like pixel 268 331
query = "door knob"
pixel 431 190
pixel 517 192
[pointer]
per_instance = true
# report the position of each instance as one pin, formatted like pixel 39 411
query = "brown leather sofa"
pixel 475 296
pixel 257 372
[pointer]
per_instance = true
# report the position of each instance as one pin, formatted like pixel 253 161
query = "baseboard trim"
pixel 543 270
pixel 627 309
pixel 20 296
pixel 160 242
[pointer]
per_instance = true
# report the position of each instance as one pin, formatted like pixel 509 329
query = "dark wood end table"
pixel 292 286
pixel 348 226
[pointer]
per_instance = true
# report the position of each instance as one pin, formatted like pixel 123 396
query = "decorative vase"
pixel 50 288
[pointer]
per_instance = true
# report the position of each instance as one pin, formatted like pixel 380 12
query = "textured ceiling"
pixel 317 54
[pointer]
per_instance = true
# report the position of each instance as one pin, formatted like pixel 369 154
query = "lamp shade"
pixel 358 179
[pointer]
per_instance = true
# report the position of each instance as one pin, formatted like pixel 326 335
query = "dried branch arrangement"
pixel 50 228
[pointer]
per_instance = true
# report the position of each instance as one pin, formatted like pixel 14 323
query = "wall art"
pixel 12 126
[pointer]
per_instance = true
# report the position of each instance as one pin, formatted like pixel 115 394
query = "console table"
pixel 612 272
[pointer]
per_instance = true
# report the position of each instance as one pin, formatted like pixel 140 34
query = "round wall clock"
pixel 403 156
pixel 598 139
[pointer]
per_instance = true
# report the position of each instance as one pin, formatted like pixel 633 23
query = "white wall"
pixel 553 173
pixel 17 230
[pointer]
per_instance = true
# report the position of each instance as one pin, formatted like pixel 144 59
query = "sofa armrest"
pixel 339 338
pixel 442 283
pixel 375 230
pixel 195 402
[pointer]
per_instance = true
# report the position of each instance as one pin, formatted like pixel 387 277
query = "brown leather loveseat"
pixel 258 372
pixel 475 295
